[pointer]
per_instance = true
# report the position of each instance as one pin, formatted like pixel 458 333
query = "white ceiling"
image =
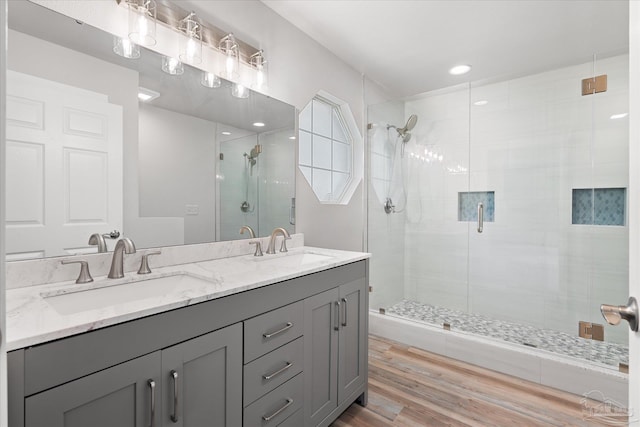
pixel 408 46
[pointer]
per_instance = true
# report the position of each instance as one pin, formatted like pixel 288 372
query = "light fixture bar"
pixel 170 15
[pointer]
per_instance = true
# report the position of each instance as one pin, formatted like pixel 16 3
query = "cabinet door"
pixel 352 343
pixel 119 396
pixel 207 384
pixel 321 325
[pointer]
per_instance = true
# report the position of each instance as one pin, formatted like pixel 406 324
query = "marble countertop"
pixel 34 315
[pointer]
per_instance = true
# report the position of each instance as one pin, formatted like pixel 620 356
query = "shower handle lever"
pixel 480 217
pixel 613 314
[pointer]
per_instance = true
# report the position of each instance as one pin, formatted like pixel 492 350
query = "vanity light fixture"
pixel 142 22
pixel 259 64
pixel 172 66
pixel 239 91
pixel 210 80
pixel 231 57
pixel 459 70
pixel 125 48
pixel 190 46
pixel 147 95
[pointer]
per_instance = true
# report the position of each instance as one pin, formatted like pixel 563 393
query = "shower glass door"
pixel 550 166
pixel 256 183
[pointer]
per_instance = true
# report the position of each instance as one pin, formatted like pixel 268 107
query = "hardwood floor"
pixel 412 387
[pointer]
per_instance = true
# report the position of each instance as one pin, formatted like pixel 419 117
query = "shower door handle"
pixel 480 217
pixel 613 314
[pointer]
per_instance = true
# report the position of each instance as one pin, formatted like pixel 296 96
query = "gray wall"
pixel 176 167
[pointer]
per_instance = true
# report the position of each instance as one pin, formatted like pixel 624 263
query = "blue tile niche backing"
pixel 468 205
pixel 598 206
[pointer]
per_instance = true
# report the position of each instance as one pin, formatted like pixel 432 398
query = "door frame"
pixel 3 351
pixel 634 203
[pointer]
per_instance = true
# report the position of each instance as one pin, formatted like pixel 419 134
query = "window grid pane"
pixel 323 138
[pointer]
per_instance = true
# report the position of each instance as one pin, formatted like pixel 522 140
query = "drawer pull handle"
pixel 275 414
pixel 278 372
pixel 344 322
pixel 152 386
pixel 278 332
pixel 174 377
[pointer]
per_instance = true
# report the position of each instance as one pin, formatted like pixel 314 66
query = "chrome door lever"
pixel 613 314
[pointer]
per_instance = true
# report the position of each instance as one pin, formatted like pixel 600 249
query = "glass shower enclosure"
pixel 506 209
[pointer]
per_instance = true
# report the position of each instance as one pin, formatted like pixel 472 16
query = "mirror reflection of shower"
pixel 251 161
pixel 403 137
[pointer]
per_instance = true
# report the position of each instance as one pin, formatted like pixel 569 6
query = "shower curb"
pixel 528 363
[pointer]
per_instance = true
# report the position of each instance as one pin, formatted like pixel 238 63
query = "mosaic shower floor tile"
pixel 556 342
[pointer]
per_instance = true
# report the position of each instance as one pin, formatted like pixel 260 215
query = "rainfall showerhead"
pixel 404 132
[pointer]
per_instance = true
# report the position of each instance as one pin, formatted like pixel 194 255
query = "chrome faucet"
pixel 98 239
pixel 244 228
pixel 272 243
pixel 124 245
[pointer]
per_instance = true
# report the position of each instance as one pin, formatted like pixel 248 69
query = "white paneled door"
pixel 64 167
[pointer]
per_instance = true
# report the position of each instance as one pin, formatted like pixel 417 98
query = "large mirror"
pixel 97 142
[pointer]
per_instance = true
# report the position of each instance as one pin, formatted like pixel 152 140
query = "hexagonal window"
pixel 329 139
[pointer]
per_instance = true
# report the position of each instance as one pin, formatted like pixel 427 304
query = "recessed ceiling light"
pixel 619 116
pixel 258 124
pixel 460 69
pixel 292 137
pixel 226 133
pixel 146 95
pixel 481 102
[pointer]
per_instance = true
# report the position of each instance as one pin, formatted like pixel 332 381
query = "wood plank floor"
pixel 412 387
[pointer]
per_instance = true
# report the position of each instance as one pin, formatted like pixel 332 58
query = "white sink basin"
pixel 103 294
pixel 294 259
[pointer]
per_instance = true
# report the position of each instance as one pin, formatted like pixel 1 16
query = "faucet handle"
pixel 144 263
pixel 84 276
pixel 283 246
pixel 258 244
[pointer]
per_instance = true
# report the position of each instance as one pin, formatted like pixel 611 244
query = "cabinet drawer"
pixel 277 406
pixel 295 420
pixel 271 330
pixel 275 368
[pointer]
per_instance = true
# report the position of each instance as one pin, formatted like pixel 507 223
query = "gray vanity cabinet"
pixel 335 356
pixel 352 345
pixel 321 326
pixel 292 353
pixel 119 396
pixel 202 380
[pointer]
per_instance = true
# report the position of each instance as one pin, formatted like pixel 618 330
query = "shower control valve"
pixel 389 207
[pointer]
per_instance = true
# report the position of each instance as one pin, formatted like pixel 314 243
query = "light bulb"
pixel 230 65
pixel 125 48
pixel 239 91
pixel 210 80
pixel 143 27
pixel 172 66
